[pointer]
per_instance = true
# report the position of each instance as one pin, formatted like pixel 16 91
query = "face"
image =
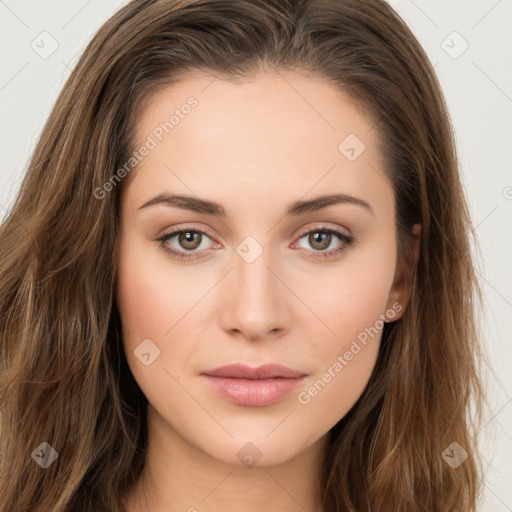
pixel 264 276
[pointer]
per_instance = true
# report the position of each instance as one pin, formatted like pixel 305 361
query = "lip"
pixel 243 371
pixel 255 387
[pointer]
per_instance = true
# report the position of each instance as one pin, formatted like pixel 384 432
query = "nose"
pixel 256 302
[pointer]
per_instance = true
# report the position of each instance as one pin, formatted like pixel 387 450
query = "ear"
pixel 400 292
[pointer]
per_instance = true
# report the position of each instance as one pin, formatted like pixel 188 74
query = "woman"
pixel 237 274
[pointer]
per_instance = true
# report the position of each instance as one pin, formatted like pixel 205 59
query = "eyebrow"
pixel 296 208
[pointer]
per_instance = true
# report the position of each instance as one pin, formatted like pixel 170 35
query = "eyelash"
pixel 346 239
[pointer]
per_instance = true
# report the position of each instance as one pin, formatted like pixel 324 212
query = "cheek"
pixel 145 308
pixel 139 300
pixel 344 368
pixel 157 306
pixel 150 303
pixel 353 308
pixel 351 299
pixel 330 394
pixel 360 300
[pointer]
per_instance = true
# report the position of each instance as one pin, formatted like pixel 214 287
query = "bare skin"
pixel 255 148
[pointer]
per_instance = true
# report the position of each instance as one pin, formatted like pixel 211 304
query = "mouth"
pixel 254 387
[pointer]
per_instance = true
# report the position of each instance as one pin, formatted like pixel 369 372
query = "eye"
pixel 320 238
pixel 189 239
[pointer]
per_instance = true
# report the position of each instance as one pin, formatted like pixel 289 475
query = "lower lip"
pixel 255 393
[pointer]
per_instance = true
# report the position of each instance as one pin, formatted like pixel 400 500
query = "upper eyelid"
pixel 323 227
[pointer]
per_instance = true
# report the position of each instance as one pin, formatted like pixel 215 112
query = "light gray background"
pixel 477 83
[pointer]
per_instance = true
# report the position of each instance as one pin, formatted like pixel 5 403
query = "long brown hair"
pixel 64 377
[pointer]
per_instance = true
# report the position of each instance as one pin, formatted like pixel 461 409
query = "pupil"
pixel 188 239
pixel 321 237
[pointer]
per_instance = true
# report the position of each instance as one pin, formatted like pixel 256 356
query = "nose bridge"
pixel 253 256
pixel 255 277
pixel 256 304
pixel 252 271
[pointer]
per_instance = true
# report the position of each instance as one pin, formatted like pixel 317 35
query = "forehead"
pixel 276 131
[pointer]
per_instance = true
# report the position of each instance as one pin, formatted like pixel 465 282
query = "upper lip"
pixel 243 371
